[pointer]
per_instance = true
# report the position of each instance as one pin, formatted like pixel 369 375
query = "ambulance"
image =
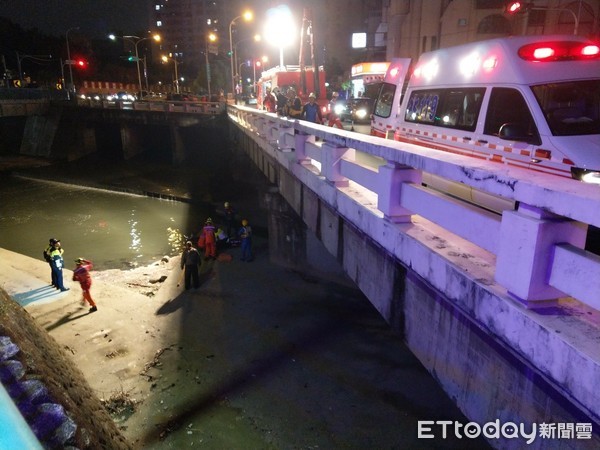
pixel 526 101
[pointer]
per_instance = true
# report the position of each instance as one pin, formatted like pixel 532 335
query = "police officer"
pixel 47 258
pixel 57 263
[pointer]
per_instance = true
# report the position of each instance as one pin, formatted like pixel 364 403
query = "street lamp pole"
pixel 135 40
pixel 176 83
pixel 176 76
pixel 70 62
pixel 248 16
pixel 212 38
pixel 231 54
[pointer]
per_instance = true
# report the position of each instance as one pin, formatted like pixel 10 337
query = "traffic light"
pixel 229 53
pixel 131 58
pixel 81 63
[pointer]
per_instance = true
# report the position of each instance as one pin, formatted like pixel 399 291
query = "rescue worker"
pixel 311 111
pixel 56 263
pixel 190 260
pixel 229 214
pixel 281 101
pixel 47 252
pixel 210 240
pixel 222 239
pixel 293 107
pixel 334 119
pixel 245 234
pixel 269 102
pixel 82 274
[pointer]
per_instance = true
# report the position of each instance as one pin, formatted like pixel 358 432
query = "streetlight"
pixel 135 40
pixel 69 62
pixel 256 38
pixel 176 63
pixel 210 38
pixel 247 16
pixel 280 29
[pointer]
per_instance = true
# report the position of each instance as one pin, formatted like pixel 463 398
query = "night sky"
pixel 96 17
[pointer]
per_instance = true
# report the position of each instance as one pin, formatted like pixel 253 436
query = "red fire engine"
pixel 291 77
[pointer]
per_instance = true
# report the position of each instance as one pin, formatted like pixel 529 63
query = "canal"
pixel 114 230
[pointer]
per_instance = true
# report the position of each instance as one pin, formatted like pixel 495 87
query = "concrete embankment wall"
pixel 44 361
pixel 461 336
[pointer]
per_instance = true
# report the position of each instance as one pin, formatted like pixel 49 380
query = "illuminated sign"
pixel 359 40
pixel 370 68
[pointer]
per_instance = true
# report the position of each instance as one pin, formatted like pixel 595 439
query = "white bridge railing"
pixel 211 108
pixel 537 243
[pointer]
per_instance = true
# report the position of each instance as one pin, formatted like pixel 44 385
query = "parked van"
pixel 527 101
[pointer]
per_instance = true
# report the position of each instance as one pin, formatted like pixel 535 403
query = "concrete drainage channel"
pixel 29 417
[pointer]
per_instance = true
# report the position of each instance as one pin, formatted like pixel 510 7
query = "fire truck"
pixel 291 77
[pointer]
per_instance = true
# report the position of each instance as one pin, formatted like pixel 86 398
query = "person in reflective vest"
pixel 47 258
pixel 245 234
pixel 57 263
pixel 82 274
pixel 210 240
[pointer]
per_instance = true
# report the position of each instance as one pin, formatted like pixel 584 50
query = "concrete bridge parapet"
pixel 477 295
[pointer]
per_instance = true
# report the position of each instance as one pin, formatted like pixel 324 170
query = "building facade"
pixel 416 26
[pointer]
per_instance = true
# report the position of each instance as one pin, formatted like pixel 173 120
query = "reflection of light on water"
pixel 176 239
pixel 136 239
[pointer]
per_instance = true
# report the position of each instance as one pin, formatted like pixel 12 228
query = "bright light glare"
pixel 469 65
pixel 430 70
pixel 543 52
pixel 590 50
pixel 280 29
pixel 591 177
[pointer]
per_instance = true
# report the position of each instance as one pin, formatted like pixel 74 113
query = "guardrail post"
pixel 390 180
pixel 526 251
pixel 332 156
pixel 286 139
pixel 300 147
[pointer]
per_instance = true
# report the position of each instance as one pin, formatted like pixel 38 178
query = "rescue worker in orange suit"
pixel 334 119
pixel 210 240
pixel 82 274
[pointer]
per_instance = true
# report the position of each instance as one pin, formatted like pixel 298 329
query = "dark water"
pixel 114 230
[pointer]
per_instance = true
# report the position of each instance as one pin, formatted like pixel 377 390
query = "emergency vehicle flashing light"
pixel 428 70
pixel 394 72
pixel 559 51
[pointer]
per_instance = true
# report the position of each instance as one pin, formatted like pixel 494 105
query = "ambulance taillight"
pixel 559 51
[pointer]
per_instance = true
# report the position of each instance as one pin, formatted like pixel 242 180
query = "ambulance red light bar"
pixel 559 51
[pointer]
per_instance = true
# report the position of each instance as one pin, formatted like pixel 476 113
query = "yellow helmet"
pixel 244 222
